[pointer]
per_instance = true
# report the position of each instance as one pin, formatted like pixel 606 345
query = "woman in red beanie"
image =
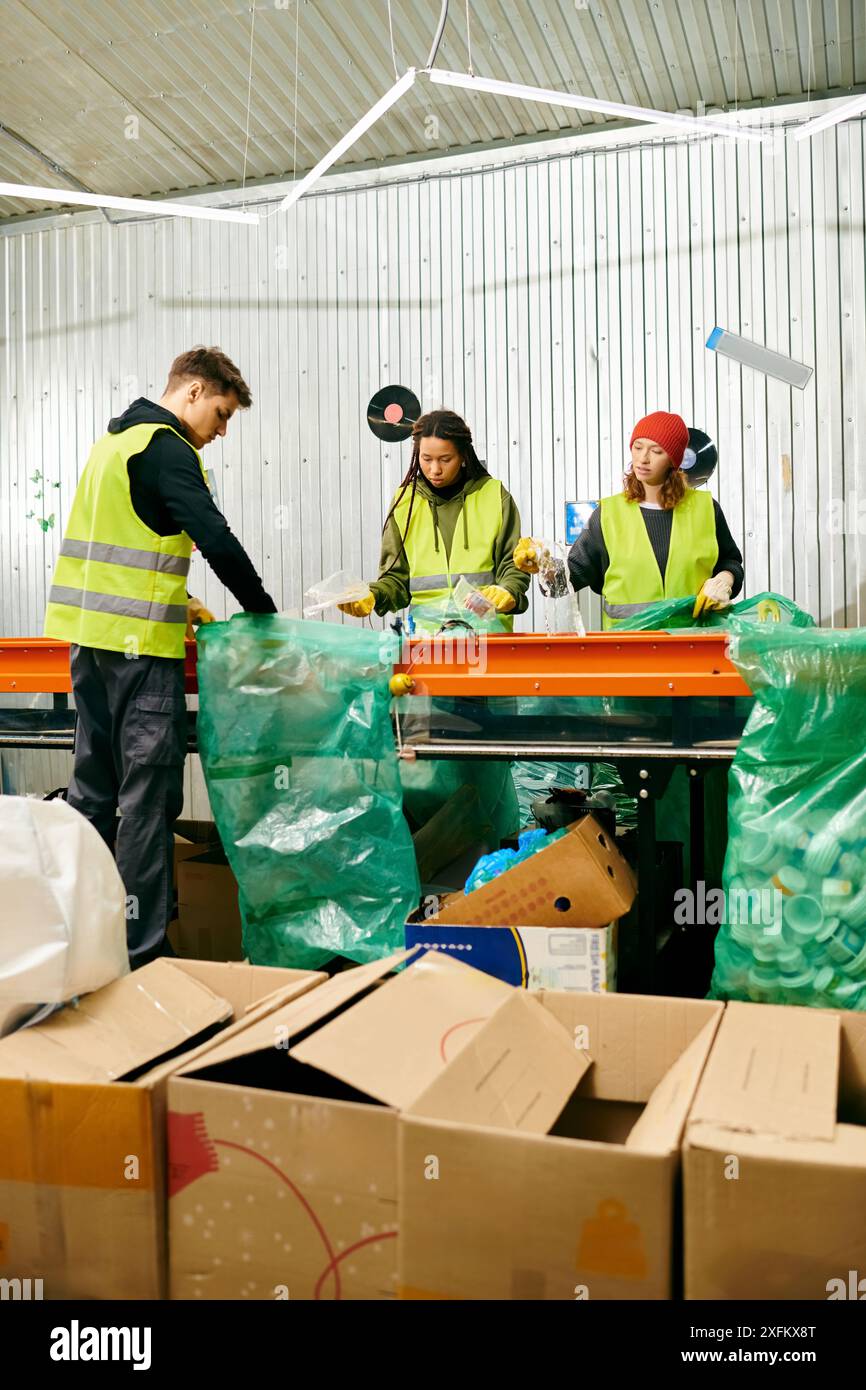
pixel 658 538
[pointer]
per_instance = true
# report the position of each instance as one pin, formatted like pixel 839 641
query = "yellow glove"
pixel 716 593
pixel 526 556
pixel 501 599
pixel 196 613
pixel 361 608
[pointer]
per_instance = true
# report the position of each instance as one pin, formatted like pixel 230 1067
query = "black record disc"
pixel 392 412
pixel 700 458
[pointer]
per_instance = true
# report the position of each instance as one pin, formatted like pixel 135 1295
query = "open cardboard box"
pixel 586 1210
pixel 775 1158
pixel 283 1141
pixel 549 922
pixel 82 1127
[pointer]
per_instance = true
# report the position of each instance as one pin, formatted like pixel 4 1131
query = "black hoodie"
pixel 169 495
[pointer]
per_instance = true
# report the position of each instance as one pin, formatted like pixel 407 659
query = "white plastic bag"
pixel 341 587
pixel 62 907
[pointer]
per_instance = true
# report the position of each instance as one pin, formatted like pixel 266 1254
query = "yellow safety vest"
pixel 118 585
pixel 432 573
pixel 633 580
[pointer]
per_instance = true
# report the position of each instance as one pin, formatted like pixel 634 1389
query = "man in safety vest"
pixel 119 597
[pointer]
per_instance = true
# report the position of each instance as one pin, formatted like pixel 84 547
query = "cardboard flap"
pixel 772 1071
pixel 393 1043
pixel 115 1030
pixel 300 1014
pixel 659 1128
pixel 581 880
pixel 516 1072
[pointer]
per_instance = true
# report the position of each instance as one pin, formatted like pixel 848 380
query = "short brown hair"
pixel 672 491
pixel 214 368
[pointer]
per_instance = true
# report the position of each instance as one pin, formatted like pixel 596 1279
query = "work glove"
pixel 716 593
pixel 501 599
pixel 360 608
pixel 196 613
pixel 526 556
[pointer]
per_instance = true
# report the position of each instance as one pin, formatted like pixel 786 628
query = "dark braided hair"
pixel 436 424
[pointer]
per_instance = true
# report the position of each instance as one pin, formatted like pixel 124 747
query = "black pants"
pixel 130 746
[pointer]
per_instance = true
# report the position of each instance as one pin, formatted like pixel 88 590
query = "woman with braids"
pixel 448 518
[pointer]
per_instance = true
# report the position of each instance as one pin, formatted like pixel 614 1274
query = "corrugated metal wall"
pixel 551 300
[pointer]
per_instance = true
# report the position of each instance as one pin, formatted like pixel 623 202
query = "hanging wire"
pixel 469 39
pixel 295 117
pixel 249 96
pixel 393 54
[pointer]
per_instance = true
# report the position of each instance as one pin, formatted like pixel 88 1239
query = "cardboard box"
pixel 775 1158
pixel 209 919
pixel 283 1159
pixel 528 957
pixel 585 1211
pixel 82 1122
pixel 548 923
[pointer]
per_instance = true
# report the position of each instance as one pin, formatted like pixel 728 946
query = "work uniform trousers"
pixel 130 746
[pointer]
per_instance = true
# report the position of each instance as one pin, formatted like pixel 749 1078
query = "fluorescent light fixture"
pixel 833 117
pixel 350 138
pixel 760 358
pixel 151 206
pixel 518 92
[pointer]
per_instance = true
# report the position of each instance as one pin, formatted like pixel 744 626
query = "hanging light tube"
pixel 151 206
pixel 350 138
pixel 838 113
pixel 518 92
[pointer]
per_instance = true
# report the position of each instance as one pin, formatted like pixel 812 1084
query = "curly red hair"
pixel 672 491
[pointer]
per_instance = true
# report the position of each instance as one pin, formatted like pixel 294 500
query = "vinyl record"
pixel 700 458
pixel 392 412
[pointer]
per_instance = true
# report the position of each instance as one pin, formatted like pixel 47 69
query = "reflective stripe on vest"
pixel 472 557
pixel 633 579
pixel 117 584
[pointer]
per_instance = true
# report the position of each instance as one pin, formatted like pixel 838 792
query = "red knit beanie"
pixel 670 432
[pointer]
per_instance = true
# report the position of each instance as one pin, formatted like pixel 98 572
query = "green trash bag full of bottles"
pixel 793 925
pixel 296 744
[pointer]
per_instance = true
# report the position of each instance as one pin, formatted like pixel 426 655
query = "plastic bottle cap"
pixel 790 880
pixel 802 914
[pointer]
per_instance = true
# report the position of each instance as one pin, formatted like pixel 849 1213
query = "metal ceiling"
pixel 151 98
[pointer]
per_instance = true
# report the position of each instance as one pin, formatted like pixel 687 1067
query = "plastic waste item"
pixel 789 880
pixel 490 866
pixel 467 596
pixel 799 778
pixel 63 914
pixel 822 853
pixel 295 738
pixel 677 614
pixel 840 941
pixel 802 915
pixel 855 910
pixel 459 621
pixel 760 850
pixel 560 607
pixel 852 866
pixel 340 587
pixel 857 966
pixel 840 993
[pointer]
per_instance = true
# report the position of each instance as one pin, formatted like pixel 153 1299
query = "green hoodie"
pixel 391 589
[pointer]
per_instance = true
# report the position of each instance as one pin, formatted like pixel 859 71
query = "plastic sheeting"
pixel 794 923
pixel 298 752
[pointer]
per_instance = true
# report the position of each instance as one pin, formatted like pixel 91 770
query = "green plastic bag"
pixel 675 614
pixel 295 739
pixel 794 914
